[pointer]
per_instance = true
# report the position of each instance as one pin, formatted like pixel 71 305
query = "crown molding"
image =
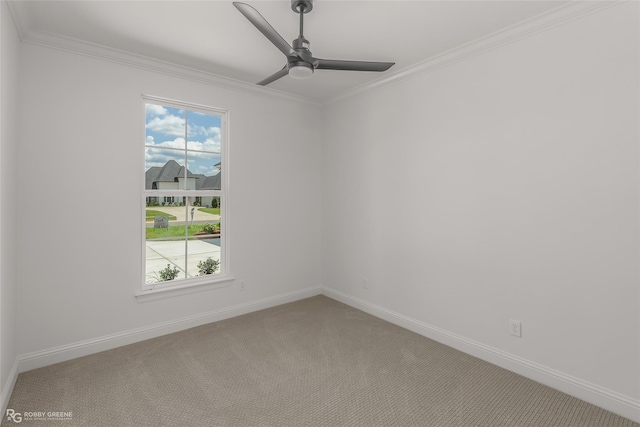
pixel 21 17
pixel 558 16
pixel 101 52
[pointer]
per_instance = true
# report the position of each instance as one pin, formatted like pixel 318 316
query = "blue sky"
pixel 165 138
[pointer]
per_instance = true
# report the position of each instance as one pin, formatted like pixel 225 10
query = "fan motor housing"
pixel 301 43
pixel 306 4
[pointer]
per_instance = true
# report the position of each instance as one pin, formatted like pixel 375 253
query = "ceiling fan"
pixel 300 62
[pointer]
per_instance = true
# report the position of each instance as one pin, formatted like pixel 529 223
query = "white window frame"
pixel 152 291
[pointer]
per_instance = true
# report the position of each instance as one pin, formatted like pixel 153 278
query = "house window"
pixel 184 195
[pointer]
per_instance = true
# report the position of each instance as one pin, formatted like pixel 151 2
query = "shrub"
pixel 168 273
pixel 209 266
pixel 211 228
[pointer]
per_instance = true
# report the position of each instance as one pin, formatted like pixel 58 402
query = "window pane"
pixel 203 256
pixel 205 167
pixel 203 248
pixel 165 230
pixel 183 160
pixel 203 253
pixel 164 170
pixel 165 127
pixel 204 132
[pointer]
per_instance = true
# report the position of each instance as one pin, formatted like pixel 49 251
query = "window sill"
pixel 178 290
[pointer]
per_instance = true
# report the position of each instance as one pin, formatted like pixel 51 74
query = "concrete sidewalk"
pixel 159 253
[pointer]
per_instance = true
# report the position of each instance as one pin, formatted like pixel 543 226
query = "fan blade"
pixel 265 28
pixel 274 77
pixel 334 64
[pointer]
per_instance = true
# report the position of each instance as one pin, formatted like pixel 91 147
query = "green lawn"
pixel 212 211
pixel 172 231
pixel 152 213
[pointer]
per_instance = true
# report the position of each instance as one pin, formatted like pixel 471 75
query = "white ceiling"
pixel 213 36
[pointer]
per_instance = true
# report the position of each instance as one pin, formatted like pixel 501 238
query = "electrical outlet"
pixel 515 328
pixel 365 283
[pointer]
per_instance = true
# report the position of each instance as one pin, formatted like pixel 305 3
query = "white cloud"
pixel 159 120
pixel 155 110
pixel 214 132
pixel 169 125
pixel 154 157
pixel 177 143
pixel 210 144
pixel 210 132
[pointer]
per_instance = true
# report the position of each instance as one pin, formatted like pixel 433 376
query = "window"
pixel 184 195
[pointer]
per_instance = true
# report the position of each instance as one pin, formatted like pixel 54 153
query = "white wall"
pixel 504 186
pixel 80 258
pixel 8 184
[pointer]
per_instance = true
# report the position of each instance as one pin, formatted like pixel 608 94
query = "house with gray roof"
pixel 172 176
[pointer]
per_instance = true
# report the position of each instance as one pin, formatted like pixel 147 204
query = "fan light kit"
pixel 300 70
pixel 300 62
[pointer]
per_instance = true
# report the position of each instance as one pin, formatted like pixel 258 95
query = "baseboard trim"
pixel 7 387
pixel 63 353
pixel 596 395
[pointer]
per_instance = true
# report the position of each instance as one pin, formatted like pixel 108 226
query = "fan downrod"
pixel 307 5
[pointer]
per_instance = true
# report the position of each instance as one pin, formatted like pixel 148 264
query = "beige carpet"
pixel 314 362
